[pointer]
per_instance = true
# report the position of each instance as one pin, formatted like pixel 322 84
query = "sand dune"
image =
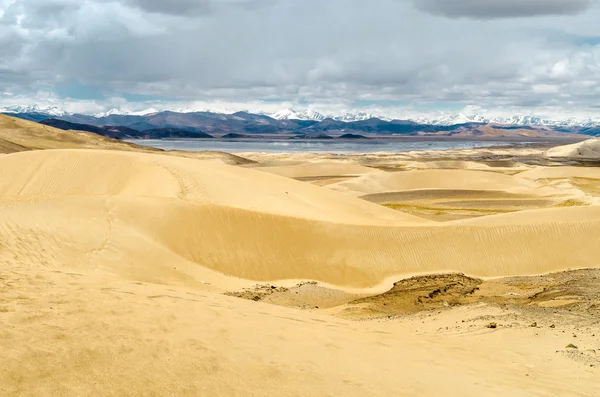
pixel 67 333
pixel 113 264
pixel 319 173
pixel 118 210
pixel 448 164
pixel 453 194
pixel 563 172
pixel 320 169
pixel 434 179
pixel 589 149
pixel 47 174
pixel 18 135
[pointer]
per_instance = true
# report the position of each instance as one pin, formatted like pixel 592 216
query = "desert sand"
pixel 18 135
pixel 132 271
pixel 589 149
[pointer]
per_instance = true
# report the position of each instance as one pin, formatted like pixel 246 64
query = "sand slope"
pixel 17 135
pixel 157 217
pixel 563 172
pixel 430 179
pixel 113 264
pixel 319 173
pixel 320 169
pixel 66 173
pixel 589 149
pixel 72 334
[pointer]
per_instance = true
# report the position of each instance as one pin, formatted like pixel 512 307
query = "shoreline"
pixel 378 138
pixel 374 146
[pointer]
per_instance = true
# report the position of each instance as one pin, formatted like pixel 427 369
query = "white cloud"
pixel 494 9
pixel 329 53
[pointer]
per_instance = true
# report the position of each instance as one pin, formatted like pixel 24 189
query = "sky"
pixel 394 57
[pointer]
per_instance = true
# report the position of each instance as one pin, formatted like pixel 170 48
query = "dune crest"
pixel 159 218
pixel 589 149
pixel 425 179
pixel 17 135
pixel 80 173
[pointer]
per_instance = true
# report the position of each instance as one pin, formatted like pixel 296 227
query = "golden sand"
pixel 114 264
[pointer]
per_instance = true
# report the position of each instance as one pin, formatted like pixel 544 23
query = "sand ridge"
pixel 319 169
pixel 114 265
pixel 17 135
pixel 65 173
pixel 589 149
pixel 451 179
pixel 247 223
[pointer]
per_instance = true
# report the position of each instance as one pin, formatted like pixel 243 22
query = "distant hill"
pixel 117 132
pixel 233 135
pixel 352 136
pixel 210 123
pixel 121 132
pixel 205 124
pixel 19 135
pixel 34 116
pixel 161 133
pixel 312 136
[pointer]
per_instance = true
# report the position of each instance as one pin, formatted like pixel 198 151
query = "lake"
pixel 324 146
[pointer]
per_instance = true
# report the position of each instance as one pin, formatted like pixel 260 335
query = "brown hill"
pixel 17 135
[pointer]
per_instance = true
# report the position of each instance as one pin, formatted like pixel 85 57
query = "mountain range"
pixel 311 115
pixel 169 124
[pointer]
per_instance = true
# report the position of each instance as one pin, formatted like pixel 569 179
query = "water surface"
pixel 325 146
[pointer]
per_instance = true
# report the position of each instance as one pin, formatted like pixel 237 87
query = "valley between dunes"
pixel 122 269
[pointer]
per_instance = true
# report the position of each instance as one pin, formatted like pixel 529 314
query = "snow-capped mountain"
pixel 533 120
pixel 125 112
pixel 360 116
pixel 203 110
pixel 112 112
pixel 49 110
pixel 524 120
pixel 291 114
pixel 447 120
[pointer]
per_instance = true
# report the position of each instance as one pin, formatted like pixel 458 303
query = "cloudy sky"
pixel 385 56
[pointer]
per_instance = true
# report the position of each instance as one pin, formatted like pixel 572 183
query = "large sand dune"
pixel 144 214
pixel 320 169
pixel 447 179
pixel 113 264
pixel 17 135
pixel 589 149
